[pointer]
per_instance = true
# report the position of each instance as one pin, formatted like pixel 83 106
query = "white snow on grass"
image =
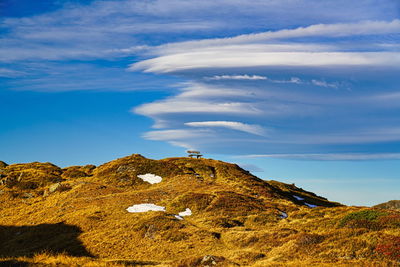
pixel 283 215
pixel 150 178
pixel 178 217
pixel 310 205
pixel 144 208
pixel 298 198
pixel 187 212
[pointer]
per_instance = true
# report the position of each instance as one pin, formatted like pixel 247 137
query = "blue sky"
pixel 301 91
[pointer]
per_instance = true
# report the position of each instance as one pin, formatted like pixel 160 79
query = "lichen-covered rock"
pixel 54 187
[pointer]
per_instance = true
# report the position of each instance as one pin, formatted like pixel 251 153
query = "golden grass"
pixel 236 217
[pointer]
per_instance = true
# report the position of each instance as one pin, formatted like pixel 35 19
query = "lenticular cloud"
pixel 313 90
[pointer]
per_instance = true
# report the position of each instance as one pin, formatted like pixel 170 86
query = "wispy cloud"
pixel 335 156
pixel 176 134
pixel 236 77
pixel 239 126
pixel 277 76
pixel 230 58
pixel 180 137
pixel 286 90
pixel 324 83
pixel 268 38
pixel 9 73
pixel 182 106
pixel 93 30
pixel 250 167
pixel 294 80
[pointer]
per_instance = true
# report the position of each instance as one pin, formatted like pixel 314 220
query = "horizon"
pixel 303 92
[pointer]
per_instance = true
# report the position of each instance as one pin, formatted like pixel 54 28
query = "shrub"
pixel 390 247
pixel 362 219
pixel 391 220
pixel 305 239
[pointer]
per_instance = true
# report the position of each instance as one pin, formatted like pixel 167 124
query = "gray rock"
pixel 54 187
pixel 209 260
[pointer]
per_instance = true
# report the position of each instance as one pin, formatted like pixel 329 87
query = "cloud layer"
pixel 319 90
pixel 253 77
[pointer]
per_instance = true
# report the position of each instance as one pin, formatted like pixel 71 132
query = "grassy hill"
pixel 78 216
pixel 392 204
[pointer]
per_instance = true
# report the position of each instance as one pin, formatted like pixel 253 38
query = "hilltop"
pixel 181 212
pixel 392 204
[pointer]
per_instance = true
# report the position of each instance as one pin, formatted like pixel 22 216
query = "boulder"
pixel 54 187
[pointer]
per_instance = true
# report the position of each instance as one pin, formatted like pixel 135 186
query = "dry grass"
pixel 237 218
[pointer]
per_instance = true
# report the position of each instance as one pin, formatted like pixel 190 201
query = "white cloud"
pixel 236 77
pixel 249 51
pixel 330 30
pixel 239 126
pixel 250 167
pixel 289 66
pixel 200 91
pixel 221 58
pixel 176 135
pixel 295 80
pixel 9 73
pixel 324 83
pixel 92 30
pixel 326 30
pixel 352 135
pixel 186 106
pixel 333 156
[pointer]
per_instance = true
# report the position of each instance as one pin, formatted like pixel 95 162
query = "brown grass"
pixel 236 219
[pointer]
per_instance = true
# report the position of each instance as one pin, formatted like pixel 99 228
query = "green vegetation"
pixel 364 218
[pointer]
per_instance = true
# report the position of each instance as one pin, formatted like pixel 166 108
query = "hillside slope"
pixel 392 204
pixel 209 213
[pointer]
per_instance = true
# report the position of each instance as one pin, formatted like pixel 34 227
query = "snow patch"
pixel 310 205
pixel 178 217
pixel 150 178
pixel 144 208
pixel 187 212
pixel 298 198
pixel 283 215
